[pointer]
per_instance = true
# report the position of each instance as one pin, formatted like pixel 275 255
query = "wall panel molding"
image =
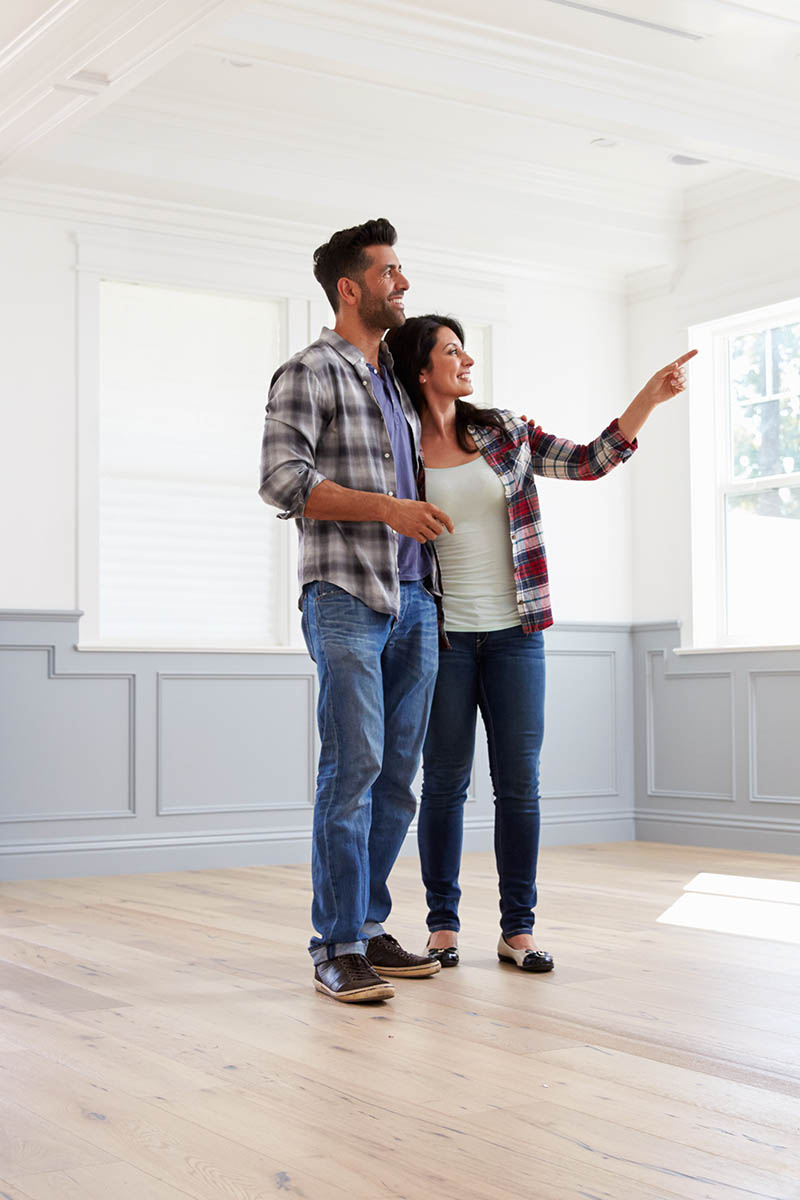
pixel 244 683
pixel 604 700
pixel 33 764
pixel 785 738
pixel 165 704
pixel 725 715
pixel 750 722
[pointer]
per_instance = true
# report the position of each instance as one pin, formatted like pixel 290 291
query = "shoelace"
pixel 395 946
pixel 357 968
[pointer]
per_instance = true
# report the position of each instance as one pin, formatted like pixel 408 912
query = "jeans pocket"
pixel 329 591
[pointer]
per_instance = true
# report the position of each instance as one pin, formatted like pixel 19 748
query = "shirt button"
pixel 365 382
pixel 390 493
pixel 386 454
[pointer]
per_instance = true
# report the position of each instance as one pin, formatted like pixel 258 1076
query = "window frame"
pixel 159 261
pixel 713 482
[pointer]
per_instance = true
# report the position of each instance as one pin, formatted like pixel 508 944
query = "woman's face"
pixel 448 371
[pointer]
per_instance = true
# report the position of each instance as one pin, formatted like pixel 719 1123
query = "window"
pixel 478 342
pixel 188 554
pixel 747 519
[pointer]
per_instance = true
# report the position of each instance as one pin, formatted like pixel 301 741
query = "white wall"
pixel 559 356
pixel 737 256
pixel 37 397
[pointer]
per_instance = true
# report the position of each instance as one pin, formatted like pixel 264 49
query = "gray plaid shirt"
pixel 323 422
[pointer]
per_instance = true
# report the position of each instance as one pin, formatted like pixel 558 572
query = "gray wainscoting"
pixel 717 739
pixel 123 761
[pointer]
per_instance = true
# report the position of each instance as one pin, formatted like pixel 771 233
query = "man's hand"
pixel 417 519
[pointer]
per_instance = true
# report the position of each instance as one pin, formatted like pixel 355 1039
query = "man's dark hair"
pixel 345 254
pixel 410 346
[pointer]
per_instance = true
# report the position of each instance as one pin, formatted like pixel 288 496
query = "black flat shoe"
pixel 446 955
pixel 527 960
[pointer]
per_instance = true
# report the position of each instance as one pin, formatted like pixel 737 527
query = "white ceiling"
pixel 470 125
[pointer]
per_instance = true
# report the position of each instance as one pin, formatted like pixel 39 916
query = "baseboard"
pixel 720 832
pixel 142 855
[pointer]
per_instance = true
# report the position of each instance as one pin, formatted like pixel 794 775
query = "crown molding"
pixel 650 284
pixel 737 200
pixel 104 216
pixel 712 208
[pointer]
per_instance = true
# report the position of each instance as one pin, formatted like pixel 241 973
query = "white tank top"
pixel 476 560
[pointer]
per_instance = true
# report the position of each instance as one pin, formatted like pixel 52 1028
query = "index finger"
pixel 685 357
pixel 443 517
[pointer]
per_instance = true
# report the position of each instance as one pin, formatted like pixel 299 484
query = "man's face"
pixel 383 287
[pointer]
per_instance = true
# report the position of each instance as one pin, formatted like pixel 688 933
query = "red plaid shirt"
pixel 518 455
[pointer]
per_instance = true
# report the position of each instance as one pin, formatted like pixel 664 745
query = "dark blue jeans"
pixel 501 673
pixel 376 676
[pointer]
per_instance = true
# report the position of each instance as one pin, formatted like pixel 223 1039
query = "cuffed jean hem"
pixel 369 930
pixel 323 953
pixel 451 928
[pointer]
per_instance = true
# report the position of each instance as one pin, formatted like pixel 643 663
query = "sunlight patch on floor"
pixel 741 904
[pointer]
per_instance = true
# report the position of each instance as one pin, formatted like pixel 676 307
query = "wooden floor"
pixel 160 1038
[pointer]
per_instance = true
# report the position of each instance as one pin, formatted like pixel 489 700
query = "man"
pixel 341 455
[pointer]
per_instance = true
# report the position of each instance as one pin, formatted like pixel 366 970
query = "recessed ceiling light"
pixel 603 143
pixel 686 160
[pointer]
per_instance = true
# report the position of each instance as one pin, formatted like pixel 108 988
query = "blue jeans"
pixel 501 673
pixel 376 676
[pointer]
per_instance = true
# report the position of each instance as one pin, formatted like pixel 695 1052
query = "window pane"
pixel 786 359
pixel 763 565
pixel 477 341
pixel 766 438
pixel 748 368
pixel 189 555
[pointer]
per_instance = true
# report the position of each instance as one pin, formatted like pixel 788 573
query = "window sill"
pixel 109 649
pixel 775 649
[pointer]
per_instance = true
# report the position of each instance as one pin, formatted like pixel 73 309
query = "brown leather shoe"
pixel 350 978
pixel 387 956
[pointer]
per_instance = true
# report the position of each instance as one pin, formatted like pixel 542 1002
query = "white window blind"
pixel 478 343
pixel 189 555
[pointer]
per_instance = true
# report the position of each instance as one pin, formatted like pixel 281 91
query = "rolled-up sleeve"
pixel 296 416
pixel 562 459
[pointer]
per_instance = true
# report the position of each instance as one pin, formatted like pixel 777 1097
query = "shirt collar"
pixel 351 352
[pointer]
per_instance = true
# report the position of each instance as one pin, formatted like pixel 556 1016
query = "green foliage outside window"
pixel 765 416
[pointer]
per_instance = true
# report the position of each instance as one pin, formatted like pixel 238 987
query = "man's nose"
pixel 401 283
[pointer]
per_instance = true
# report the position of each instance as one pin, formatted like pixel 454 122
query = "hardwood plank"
pixel 108 1182
pixel 729 1101
pixel 29 1144
pixel 646 1158
pixel 168 1023
pixel 21 985
pixel 197 1159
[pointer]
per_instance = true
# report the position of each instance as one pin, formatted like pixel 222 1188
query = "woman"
pixel 480 466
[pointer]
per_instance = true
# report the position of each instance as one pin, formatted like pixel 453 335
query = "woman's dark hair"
pixel 410 346
pixel 345 254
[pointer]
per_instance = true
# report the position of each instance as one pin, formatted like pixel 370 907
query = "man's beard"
pixel 379 314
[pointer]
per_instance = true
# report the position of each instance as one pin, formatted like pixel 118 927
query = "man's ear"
pixel 349 291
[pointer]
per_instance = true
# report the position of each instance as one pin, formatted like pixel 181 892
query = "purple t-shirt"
pixel 413 559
